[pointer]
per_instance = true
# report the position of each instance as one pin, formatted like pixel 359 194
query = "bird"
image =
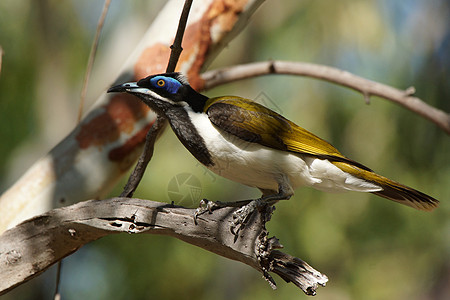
pixel 249 143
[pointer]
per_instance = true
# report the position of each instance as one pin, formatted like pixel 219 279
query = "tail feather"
pixel 406 195
pixel 390 189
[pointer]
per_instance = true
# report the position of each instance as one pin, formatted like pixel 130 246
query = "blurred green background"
pixel 369 247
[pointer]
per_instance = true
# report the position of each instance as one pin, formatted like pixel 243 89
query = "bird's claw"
pixel 241 216
pixel 201 209
pixel 206 206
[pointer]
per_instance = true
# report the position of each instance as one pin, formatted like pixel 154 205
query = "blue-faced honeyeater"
pixel 248 143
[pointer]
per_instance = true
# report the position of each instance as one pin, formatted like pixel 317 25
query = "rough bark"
pixel 34 245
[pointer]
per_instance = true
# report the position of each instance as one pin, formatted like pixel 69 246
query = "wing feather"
pixel 255 123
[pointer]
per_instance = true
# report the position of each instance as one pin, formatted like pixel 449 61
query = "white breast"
pixel 258 166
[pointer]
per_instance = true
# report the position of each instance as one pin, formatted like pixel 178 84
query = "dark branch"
pixel 34 245
pixel 161 123
pixel 147 154
pixel 176 46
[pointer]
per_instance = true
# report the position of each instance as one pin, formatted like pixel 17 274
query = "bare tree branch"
pixel 1 56
pixel 138 172
pixel 91 59
pixel 176 47
pixel 366 87
pixel 161 123
pixel 34 245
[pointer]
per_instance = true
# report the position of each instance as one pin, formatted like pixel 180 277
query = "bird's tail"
pixel 405 195
pixel 390 189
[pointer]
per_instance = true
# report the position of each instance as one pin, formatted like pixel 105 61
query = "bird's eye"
pixel 161 83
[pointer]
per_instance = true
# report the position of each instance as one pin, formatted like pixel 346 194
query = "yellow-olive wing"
pixel 255 123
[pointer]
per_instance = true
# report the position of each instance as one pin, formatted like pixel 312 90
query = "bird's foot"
pixel 242 215
pixel 207 206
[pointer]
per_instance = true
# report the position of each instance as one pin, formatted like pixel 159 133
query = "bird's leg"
pixel 246 207
pixel 206 205
pixel 241 215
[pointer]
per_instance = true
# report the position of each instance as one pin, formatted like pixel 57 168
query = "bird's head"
pixel 164 91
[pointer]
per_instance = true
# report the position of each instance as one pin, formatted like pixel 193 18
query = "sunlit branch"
pixel 367 87
pixel 34 245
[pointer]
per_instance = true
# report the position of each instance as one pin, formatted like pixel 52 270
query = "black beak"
pixel 125 87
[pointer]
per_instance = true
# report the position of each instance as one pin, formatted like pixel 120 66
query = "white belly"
pixel 255 165
pixel 258 166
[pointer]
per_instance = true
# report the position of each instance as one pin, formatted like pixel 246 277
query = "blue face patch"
pixel 169 84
